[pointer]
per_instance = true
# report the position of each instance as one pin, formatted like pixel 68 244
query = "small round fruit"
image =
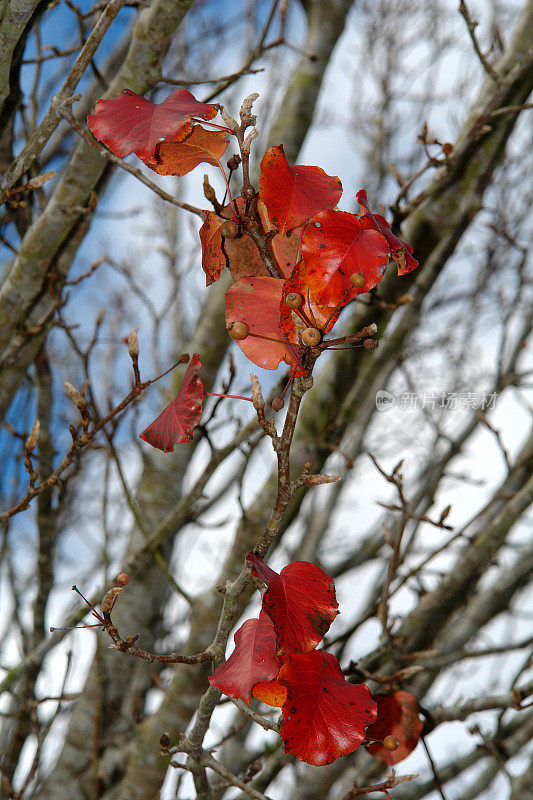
pixel 311 336
pixel 357 279
pixel 122 579
pixel 391 743
pixel 294 300
pixel 229 229
pixel 278 403
pixel 238 330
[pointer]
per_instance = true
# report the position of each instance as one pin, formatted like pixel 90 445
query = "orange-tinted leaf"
pixel 131 124
pixel 397 716
pixel 244 259
pixel 238 253
pixel 253 660
pixel 176 423
pixel 270 692
pixel 300 601
pixel 180 157
pixel 293 195
pixel 287 250
pixel 256 302
pixel 285 247
pixel 213 257
pixel 324 717
pixel 335 246
pixel 400 251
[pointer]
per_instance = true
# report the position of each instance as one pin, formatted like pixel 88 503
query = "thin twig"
pixel 472 25
pixel 53 116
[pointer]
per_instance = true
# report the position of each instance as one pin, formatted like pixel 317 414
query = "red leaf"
pixel 253 660
pixel 300 601
pixel 213 257
pixel 324 717
pixel 336 246
pixel 180 157
pixel 131 124
pixel 293 195
pixel 400 251
pixel 256 302
pixel 397 716
pixel 176 423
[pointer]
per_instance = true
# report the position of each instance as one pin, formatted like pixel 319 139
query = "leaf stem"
pixel 229 396
pixel 230 197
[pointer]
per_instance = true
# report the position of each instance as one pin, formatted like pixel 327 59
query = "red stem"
pixel 231 396
pixel 214 125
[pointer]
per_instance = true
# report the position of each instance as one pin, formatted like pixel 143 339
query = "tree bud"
pixel 133 344
pixel 74 395
pixel 31 441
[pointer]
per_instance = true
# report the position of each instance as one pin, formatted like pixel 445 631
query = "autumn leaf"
pixel 293 195
pixel 335 248
pixel 254 660
pixel 286 247
pixel 324 717
pixel 180 157
pixel 176 422
pixel 270 692
pixel 400 251
pixel 300 601
pixel 256 302
pixel 244 258
pixel 225 245
pixel 213 256
pixel 131 124
pixel 397 716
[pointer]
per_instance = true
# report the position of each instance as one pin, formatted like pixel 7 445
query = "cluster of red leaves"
pixel 324 257
pixel 275 661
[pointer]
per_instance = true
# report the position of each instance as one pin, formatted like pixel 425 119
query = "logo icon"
pixel 384 400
